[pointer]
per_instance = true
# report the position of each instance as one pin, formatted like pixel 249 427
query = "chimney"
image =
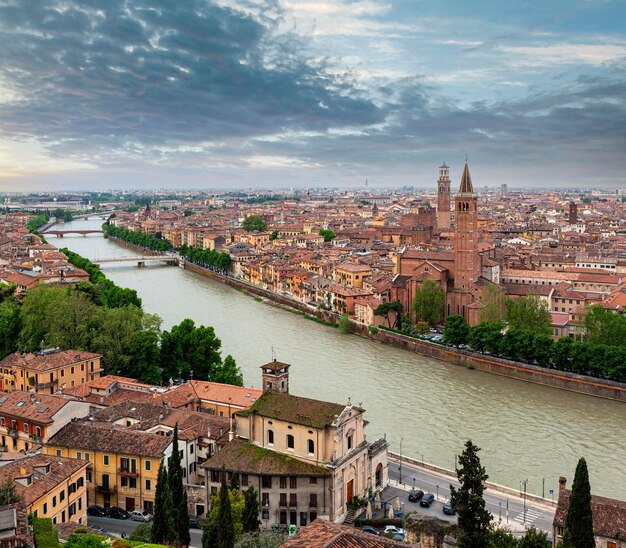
pixel 22 471
pixel 562 482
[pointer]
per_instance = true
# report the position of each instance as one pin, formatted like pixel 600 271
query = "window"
pixel 283 499
pixel 244 480
pixel 54 501
pixel 312 479
pixel 132 483
pixel 89 475
pixel 283 482
pixel 148 465
pixel 79 455
pixel 215 476
pixel 349 442
pixel 124 481
pixel 266 482
pixel 87 457
pixel 293 482
pixel 191 449
pixel 80 482
pixel 265 514
pixel 62 496
pixel 313 500
pixel 45 508
pixel 311 446
pixel 3 421
pixel 63 516
pixel 148 485
pixel 106 460
pixel 293 500
pixel 265 500
pixel 303 517
pixel 80 503
pixel 26 427
pixel 290 441
pixel 283 517
pixel 270 437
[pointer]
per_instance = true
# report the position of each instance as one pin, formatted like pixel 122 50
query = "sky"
pixel 311 93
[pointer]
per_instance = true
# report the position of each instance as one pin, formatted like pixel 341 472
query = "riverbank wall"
pixel 133 247
pixel 472 360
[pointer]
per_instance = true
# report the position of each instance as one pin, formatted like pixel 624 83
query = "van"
pixel 140 515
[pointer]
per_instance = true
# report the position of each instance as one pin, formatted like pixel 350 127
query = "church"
pixel 462 272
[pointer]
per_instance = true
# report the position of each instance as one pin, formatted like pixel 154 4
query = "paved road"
pixel 117 526
pixel 539 516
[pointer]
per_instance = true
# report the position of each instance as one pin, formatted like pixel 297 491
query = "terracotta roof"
pixel 102 437
pixel 275 365
pixel 295 409
pixel 46 362
pixel 61 469
pixel 326 534
pixel 609 515
pixel 39 408
pixel 240 396
pixel 240 456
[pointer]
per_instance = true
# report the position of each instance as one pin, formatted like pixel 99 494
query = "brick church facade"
pixel 457 271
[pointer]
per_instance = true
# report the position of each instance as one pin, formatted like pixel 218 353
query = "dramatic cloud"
pixel 209 93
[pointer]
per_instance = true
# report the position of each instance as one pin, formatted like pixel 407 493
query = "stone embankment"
pixel 472 360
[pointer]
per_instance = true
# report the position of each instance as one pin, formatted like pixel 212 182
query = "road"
pixel 511 510
pixel 115 527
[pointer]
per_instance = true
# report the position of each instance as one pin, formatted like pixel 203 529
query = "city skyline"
pixel 149 94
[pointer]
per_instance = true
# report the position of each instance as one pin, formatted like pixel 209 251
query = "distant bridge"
pixel 102 214
pixel 141 261
pixel 61 233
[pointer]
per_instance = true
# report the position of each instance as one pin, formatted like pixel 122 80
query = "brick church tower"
pixel 466 259
pixel 443 197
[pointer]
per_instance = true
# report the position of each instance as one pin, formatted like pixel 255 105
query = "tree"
pixel 142 533
pixel 605 327
pixel 254 223
pixel 468 501
pixel 228 372
pixel 534 539
pixel 250 518
pixel 499 537
pixel 428 302
pixel 8 493
pixel 579 520
pixel 328 234
pixel 180 514
pixel 456 330
pixel 10 327
pixel 529 314
pixel 226 529
pixel 387 308
pixel 162 523
pixel 265 539
pixel 83 539
pixel 486 337
pixel 344 323
pixel 494 301
pixel 273 235
pixel 234 481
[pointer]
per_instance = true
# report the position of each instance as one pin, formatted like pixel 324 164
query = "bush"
pixel 45 533
pixel 142 533
pixel 373 330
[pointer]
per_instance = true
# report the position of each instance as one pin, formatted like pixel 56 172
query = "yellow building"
pixel 51 487
pixel 48 371
pixel 351 274
pixel 122 464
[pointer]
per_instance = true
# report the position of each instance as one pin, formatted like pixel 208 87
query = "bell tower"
pixel 443 197
pixel 275 377
pixel 467 261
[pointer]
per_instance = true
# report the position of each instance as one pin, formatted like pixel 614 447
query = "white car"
pixel 393 529
pixel 140 515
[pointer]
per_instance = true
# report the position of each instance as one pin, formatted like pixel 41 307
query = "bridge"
pixel 61 233
pixel 141 261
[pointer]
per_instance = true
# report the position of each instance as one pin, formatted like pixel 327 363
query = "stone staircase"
pixel 350 517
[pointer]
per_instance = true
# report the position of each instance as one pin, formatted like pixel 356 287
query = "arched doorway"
pixel 379 475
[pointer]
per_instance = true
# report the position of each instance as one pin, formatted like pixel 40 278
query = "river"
pixel 425 407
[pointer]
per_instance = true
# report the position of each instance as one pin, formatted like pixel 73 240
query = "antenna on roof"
pixel 273 354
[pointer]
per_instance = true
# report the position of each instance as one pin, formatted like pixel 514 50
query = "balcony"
pixel 36 439
pixel 12 432
pixel 128 472
pixel 3 448
pixel 106 489
pixel 51 384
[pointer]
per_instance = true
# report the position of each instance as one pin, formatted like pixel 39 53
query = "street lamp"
pixel 525 483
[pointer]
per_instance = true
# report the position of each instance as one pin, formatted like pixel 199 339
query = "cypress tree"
pixel 250 518
pixel 180 514
pixel 468 501
pixel 234 481
pixel 579 520
pixel 226 527
pixel 162 525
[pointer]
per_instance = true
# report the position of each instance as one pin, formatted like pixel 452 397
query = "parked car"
pixel 393 529
pixel 448 509
pixel 427 500
pixel 415 495
pixel 398 536
pixel 140 515
pixel 116 512
pixel 370 529
pixel 97 511
pixel 196 522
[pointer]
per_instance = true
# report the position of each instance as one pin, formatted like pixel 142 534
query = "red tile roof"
pixel 327 534
pixel 46 362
